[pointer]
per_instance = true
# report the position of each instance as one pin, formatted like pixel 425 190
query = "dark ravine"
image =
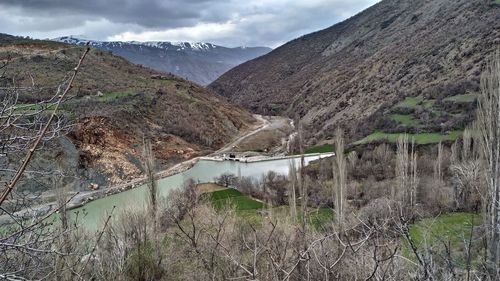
pixel 198 62
pixel 349 74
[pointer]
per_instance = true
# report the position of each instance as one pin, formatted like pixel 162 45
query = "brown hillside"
pixel 115 103
pixel 353 74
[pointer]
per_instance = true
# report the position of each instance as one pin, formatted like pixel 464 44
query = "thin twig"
pixel 97 242
pixel 23 166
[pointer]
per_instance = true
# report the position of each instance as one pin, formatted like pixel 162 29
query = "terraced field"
pixel 405 119
pixel 422 138
pixel 115 95
pixel 319 149
pixel 462 98
pixel 426 120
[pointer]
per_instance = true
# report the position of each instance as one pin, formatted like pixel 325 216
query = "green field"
pixel 246 207
pixel 416 101
pixel 428 103
pixel 44 107
pixel 411 102
pixel 462 98
pixel 115 95
pixel 232 198
pixel 405 119
pixel 319 149
pixel 34 107
pixel 321 217
pixel 452 229
pixel 422 138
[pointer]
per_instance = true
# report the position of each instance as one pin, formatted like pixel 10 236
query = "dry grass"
pixel 262 141
pixel 208 187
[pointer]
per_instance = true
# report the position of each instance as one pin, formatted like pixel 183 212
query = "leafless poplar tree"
pixel 339 177
pixel 414 180
pixel 488 125
pixel 292 196
pixel 402 163
pixel 466 169
pixel 438 174
pixel 149 166
pixel 352 158
pixel 406 173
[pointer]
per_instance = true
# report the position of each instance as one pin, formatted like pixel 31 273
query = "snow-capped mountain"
pixel 199 62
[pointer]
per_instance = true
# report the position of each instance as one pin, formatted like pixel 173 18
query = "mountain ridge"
pixel 349 74
pixel 199 62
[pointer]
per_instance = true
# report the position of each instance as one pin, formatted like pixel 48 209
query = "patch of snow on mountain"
pixel 165 45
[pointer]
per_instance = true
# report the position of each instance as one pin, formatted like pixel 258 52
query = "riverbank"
pixel 80 199
pixel 263 158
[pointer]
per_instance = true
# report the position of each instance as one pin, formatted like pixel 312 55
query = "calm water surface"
pixel 203 171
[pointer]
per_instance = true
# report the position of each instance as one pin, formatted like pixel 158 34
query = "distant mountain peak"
pixel 182 45
pixel 200 62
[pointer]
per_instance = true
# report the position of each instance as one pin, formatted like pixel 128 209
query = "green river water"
pixel 204 171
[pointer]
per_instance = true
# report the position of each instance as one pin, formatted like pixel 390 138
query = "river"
pixel 203 171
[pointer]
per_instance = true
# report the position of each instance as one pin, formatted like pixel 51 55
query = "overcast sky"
pixel 229 23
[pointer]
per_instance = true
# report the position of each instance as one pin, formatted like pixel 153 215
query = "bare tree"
pixel 339 177
pixel 31 247
pixel 40 136
pixel 352 158
pixel 438 174
pixel 292 196
pixel 150 169
pixel 466 174
pixel 227 180
pixel 406 173
pixel 414 180
pixel 488 124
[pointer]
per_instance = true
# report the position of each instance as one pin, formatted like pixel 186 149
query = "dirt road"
pixel 267 123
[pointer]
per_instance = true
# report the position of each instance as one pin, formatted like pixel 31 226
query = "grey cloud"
pixel 148 13
pixel 253 22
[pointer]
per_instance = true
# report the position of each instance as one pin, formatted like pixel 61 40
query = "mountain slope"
pixel 114 104
pixel 198 62
pixel 358 72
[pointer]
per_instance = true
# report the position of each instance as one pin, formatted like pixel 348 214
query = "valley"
pixel 202 171
pixel 115 104
pixel 351 74
pixel 366 150
pixel 175 176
